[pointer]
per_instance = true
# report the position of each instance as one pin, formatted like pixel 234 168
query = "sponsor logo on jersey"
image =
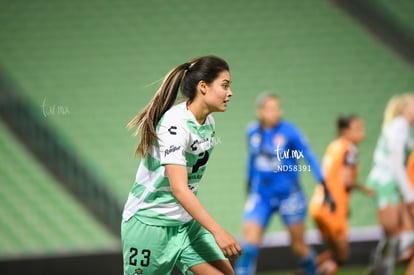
pixel 279 140
pixel 201 142
pixel 195 177
pixel 255 140
pixel 172 129
pixel 193 145
pixel 351 157
pixel 172 149
pixel 193 187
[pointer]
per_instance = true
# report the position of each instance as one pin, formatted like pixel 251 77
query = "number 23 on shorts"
pixel 139 257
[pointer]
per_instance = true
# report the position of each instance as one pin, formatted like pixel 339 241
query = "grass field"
pixel 348 270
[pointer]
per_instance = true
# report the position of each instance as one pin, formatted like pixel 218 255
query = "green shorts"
pixel 385 194
pixel 149 249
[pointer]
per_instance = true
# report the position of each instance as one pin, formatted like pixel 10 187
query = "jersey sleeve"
pixel 172 140
pixel 351 157
pixel 397 141
pixel 302 145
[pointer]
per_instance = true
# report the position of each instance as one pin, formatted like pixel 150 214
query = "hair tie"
pixel 186 66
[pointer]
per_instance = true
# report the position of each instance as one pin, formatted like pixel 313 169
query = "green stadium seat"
pixel 38 216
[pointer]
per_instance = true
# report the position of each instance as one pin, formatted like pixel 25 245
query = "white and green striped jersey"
pixel 394 145
pixel 181 141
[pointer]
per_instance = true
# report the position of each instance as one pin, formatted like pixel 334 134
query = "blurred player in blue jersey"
pixel 276 148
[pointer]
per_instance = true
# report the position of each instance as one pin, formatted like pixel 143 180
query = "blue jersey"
pixel 276 158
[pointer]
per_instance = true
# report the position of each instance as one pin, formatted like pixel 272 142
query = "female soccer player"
pixel 275 147
pixel 389 178
pixel 164 224
pixel 340 169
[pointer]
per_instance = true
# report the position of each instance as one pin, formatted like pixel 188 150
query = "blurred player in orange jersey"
pixel 410 173
pixel 340 169
pixel 410 168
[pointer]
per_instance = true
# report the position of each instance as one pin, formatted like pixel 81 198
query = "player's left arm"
pixel 302 145
pixel 250 163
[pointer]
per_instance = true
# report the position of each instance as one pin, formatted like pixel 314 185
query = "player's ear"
pixel 202 87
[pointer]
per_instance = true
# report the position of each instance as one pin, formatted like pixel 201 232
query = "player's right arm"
pixel 348 171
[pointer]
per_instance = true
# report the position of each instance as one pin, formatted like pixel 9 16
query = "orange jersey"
pixel 410 168
pixel 340 154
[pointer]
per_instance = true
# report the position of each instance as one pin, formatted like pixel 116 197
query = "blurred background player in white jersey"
pixel 389 178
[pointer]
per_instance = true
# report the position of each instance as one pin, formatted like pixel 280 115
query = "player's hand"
pixel 328 198
pixel 228 244
pixel 370 192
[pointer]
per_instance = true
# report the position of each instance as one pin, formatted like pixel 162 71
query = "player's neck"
pixel 199 113
pixel 268 126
